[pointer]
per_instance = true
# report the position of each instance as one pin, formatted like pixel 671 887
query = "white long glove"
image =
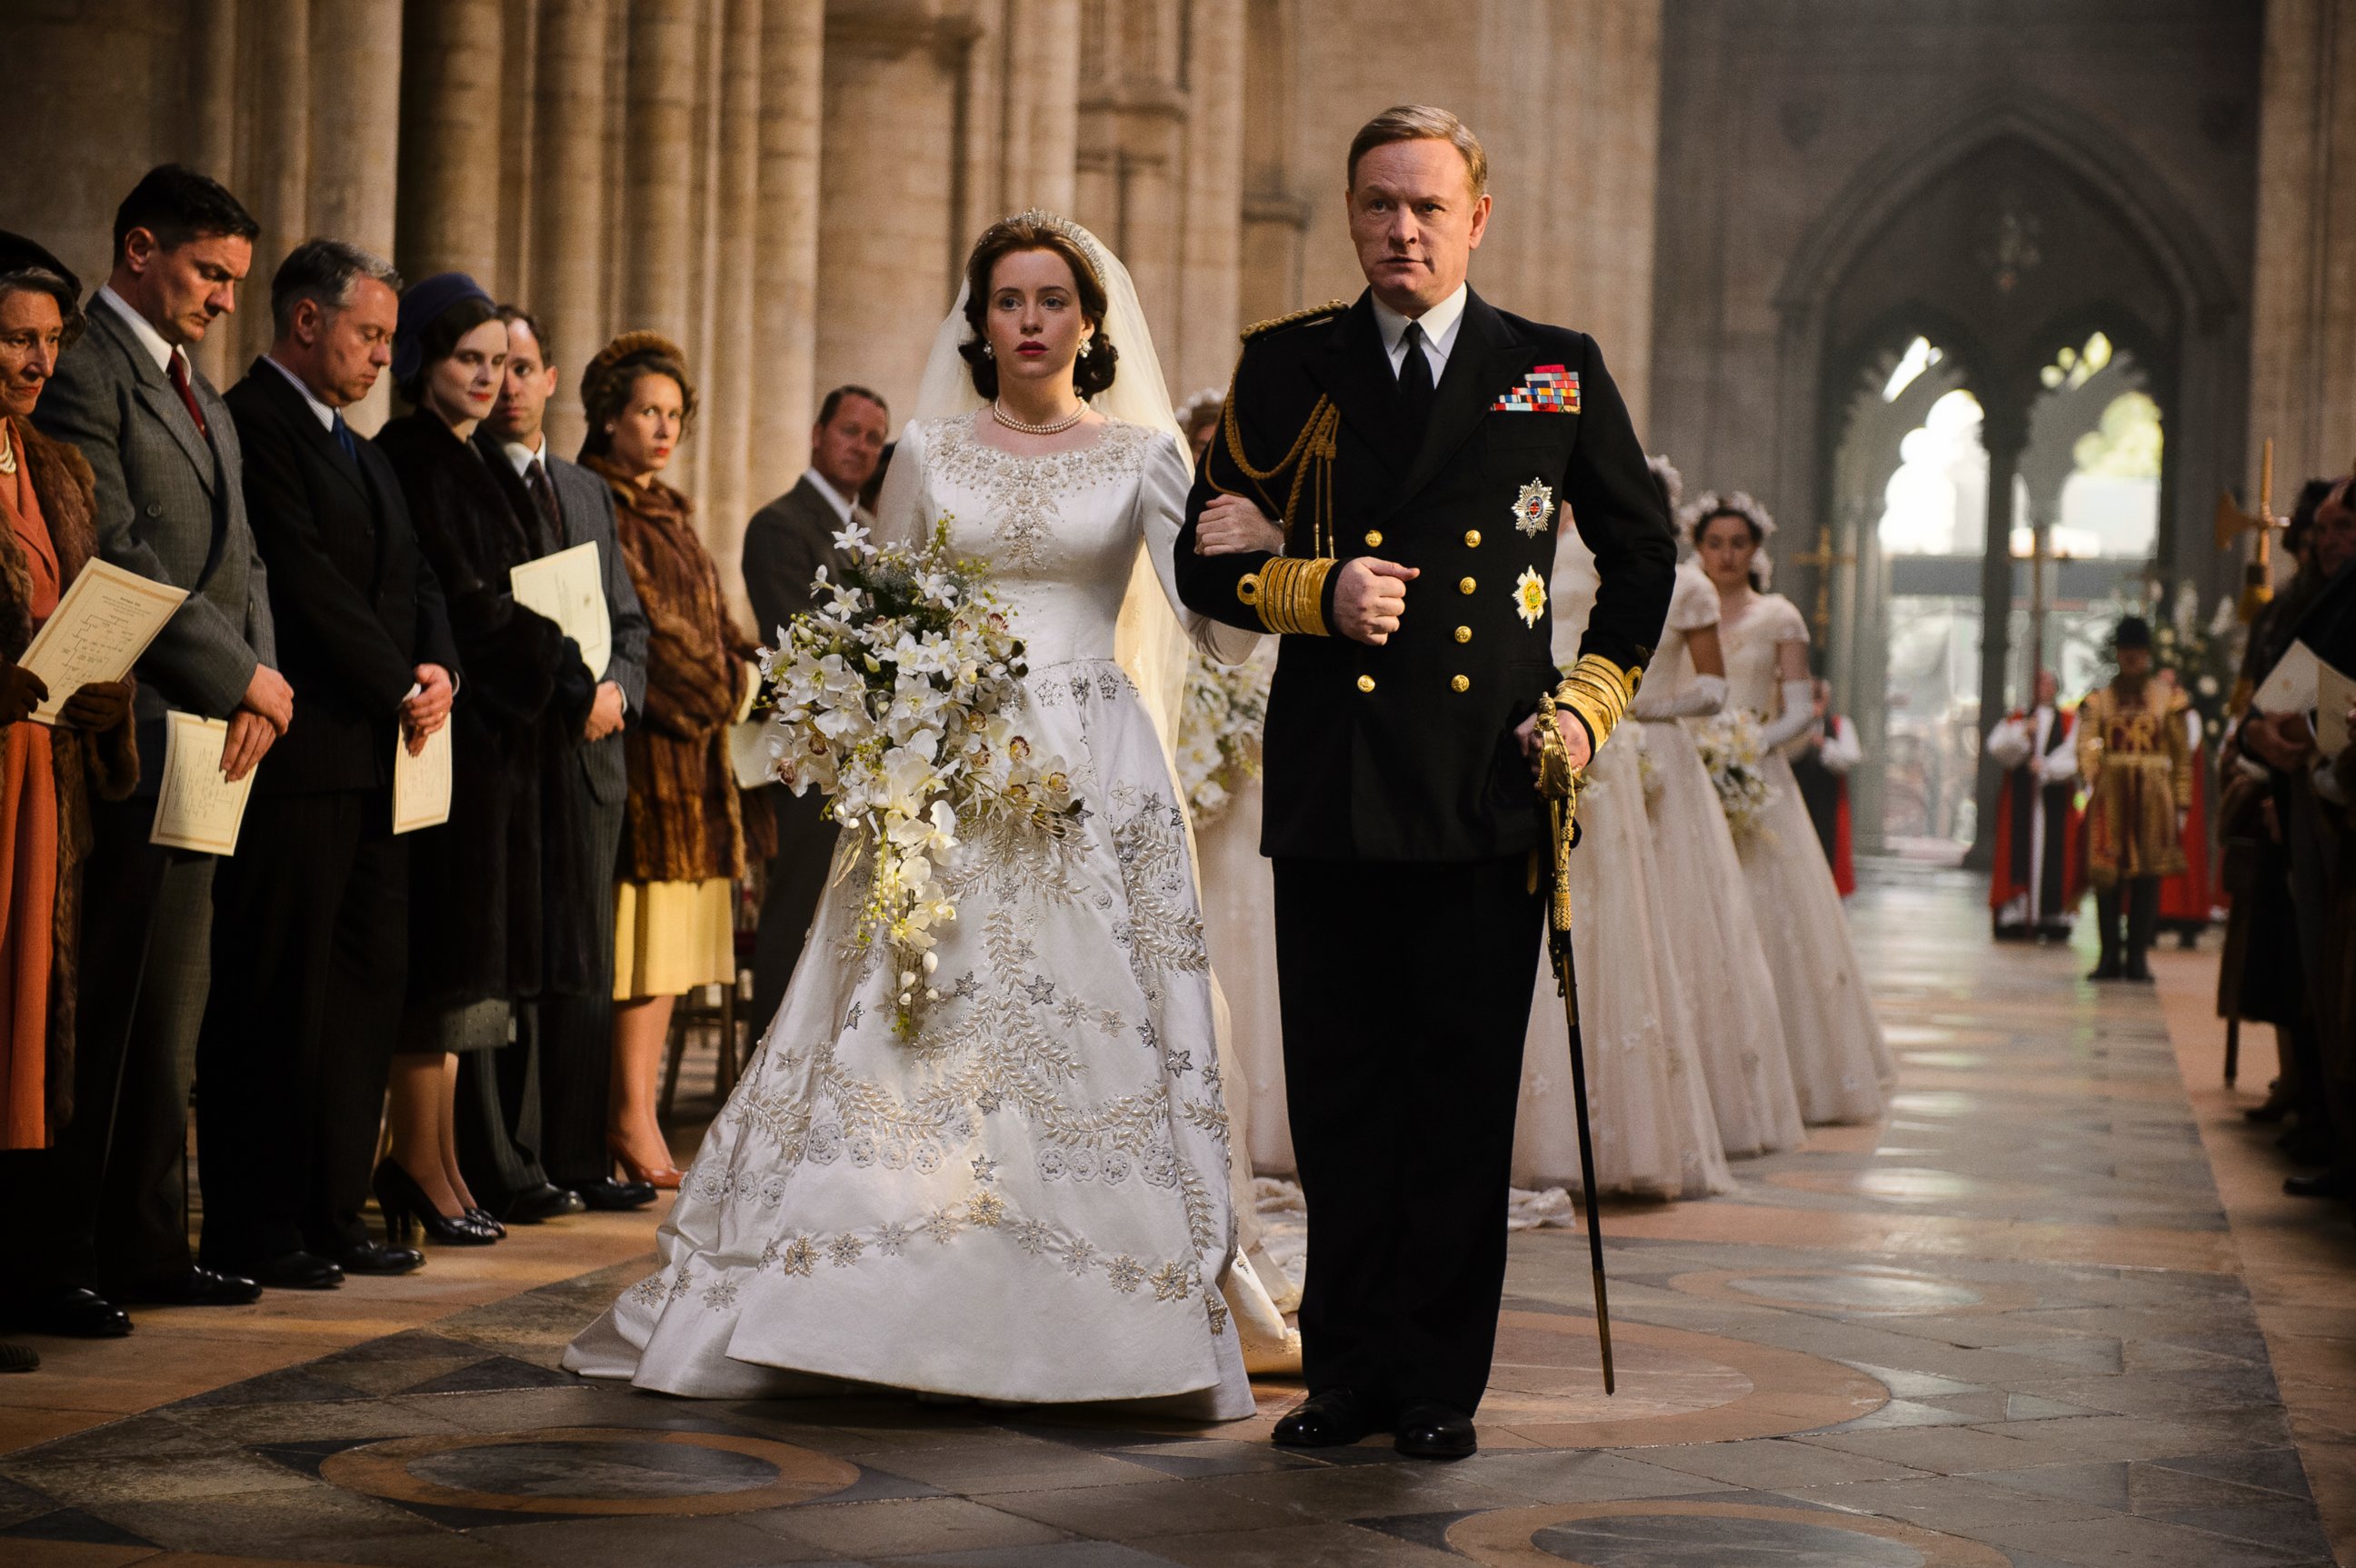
pixel 1799 713
pixel 1704 697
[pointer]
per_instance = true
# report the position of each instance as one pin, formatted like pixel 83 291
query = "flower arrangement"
pixel 898 697
pixel 2205 657
pixel 1730 749
pixel 1219 731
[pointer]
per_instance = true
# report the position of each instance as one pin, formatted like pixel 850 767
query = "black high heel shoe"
pixel 405 1205
pixel 488 1222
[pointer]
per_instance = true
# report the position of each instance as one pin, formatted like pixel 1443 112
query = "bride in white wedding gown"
pixel 1030 1201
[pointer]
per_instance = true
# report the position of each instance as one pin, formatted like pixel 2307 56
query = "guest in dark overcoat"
pixel 475 891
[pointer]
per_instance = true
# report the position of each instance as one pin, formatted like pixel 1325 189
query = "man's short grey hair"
pixel 324 272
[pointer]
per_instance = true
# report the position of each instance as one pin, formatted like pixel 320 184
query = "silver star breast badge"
pixel 1534 507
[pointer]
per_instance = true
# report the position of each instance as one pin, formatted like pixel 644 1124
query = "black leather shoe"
pixel 74 1314
pixel 1435 1432
pixel 286 1270
pixel 546 1201
pixel 375 1257
pixel 192 1287
pixel 14 1358
pixel 612 1196
pixel 2139 972
pixel 1331 1418
pixel 2322 1184
pixel 2108 969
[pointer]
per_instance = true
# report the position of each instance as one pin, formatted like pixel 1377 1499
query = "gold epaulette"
pixel 1331 307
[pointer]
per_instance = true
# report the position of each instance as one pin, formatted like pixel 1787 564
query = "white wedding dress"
pixel 1840 1062
pixel 1030 1201
pixel 1715 950
pixel 1648 1103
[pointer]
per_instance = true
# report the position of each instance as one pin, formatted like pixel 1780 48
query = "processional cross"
pixel 1823 559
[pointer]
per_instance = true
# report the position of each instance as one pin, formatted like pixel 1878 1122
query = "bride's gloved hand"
pixel 1232 525
pixel 1703 698
pixel 1799 713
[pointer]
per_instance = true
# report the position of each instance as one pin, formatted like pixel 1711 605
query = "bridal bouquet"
pixel 896 697
pixel 1730 749
pixel 1219 731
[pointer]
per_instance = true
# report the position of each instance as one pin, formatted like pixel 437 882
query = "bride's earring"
pixel 988 352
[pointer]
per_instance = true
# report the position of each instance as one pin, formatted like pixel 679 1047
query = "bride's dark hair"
pixel 1092 373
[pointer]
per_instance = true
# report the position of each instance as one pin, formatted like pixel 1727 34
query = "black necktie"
pixel 344 439
pixel 535 479
pixel 1415 377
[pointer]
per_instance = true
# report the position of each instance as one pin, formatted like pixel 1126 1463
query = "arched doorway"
pixel 2016 265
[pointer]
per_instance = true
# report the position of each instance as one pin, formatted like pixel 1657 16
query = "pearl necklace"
pixel 998 411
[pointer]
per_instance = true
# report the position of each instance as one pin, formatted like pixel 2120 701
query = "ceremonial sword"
pixel 1560 783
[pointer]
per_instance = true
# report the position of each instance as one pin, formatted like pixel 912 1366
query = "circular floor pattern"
pixel 1639 1535
pixel 1546 1390
pixel 1865 1291
pixel 591 1470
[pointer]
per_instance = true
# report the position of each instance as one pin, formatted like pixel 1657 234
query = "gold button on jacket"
pixel 1461 683
pixel 1464 634
pixel 1472 539
pixel 1467 585
pixel 1374 539
pixel 1366 682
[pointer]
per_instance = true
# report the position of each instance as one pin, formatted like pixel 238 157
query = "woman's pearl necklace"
pixel 998 411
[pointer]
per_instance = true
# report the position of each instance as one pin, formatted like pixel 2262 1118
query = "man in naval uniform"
pixel 1417 444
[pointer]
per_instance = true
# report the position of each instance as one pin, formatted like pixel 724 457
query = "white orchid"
pixel 853 541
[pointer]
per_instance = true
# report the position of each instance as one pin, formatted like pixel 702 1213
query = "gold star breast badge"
pixel 1534 507
pixel 1530 595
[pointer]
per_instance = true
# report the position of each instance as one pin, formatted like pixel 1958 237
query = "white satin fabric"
pixel 1654 1133
pixel 1840 1061
pixel 1714 947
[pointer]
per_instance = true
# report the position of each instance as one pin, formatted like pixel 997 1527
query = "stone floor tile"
pixel 2123 1541
pixel 626 1542
pixel 1062 1554
pixel 1576 1476
pixel 1963 1505
pixel 1369 1491
pixel 1941 1450
pixel 1013 1465
pixel 1778 1464
pixel 1296 1546
pixel 1159 1508
pixel 901 1528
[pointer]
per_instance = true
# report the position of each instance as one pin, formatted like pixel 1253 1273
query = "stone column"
pixel 782 325
pixel 1039 43
pixel 1275 214
pixel 2006 434
pixel 354 127
pixel 728 425
pixel 1133 120
pixel 567 287
pixel 1211 242
pixel 2303 304
pixel 449 206
pixel 887 250
pixel 658 188
pixel 272 171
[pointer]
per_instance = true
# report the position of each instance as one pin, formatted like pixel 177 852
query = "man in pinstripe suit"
pixel 170 507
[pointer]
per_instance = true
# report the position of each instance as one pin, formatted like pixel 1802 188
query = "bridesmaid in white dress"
pixel 1029 1200
pixel 1840 1062
pixel 1648 1101
pixel 1717 957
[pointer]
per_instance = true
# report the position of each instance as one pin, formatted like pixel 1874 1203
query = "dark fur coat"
pixel 484 886
pixel 686 820
pixel 106 765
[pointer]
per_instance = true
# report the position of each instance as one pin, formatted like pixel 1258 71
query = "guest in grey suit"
pixel 785 544
pixel 171 506
pixel 531 1127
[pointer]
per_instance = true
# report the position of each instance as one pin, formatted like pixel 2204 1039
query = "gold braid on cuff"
pixel 1598 692
pixel 1289 593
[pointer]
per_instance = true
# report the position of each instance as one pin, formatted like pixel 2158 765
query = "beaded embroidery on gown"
pixel 1029 1201
pixel 1715 950
pixel 1840 1062
pixel 1648 1105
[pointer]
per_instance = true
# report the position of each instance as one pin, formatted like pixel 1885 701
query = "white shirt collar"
pixel 1439 324
pixel 842 503
pixel 142 329
pixel 524 457
pixel 320 411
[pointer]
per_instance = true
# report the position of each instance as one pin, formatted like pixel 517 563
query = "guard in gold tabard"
pixel 2133 756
